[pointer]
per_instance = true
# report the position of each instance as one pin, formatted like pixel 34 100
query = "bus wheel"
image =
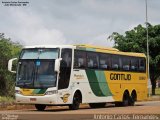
pixel 118 104
pixel 76 102
pixel 132 99
pixel 40 107
pixel 97 105
pixel 125 101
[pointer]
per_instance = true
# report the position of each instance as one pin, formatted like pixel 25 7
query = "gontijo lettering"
pixel 116 76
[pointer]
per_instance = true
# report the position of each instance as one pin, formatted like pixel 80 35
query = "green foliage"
pixel 135 41
pixel 157 91
pixel 6 99
pixel 8 50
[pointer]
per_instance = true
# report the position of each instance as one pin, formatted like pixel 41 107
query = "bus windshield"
pixel 36 68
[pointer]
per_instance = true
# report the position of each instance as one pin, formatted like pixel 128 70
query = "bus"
pixel 71 75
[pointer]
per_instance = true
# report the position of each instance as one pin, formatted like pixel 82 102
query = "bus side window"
pixel 79 59
pixel 142 65
pixel 134 64
pixel 104 61
pixel 92 60
pixel 65 68
pixel 126 62
pixel 115 62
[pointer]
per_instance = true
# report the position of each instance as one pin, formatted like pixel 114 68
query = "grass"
pixel 6 99
pixel 157 91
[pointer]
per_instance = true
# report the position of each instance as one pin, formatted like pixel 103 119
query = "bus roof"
pixel 49 46
pixel 90 48
pixel 108 50
pixel 96 47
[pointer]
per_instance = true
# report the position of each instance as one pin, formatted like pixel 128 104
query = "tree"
pixel 8 50
pixel 135 41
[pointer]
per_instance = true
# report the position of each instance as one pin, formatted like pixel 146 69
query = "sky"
pixel 74 21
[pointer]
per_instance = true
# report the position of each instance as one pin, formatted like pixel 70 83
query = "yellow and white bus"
pixel 74 74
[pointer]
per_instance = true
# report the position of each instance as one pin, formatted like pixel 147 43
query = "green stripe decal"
pixel 93 81
pixel 39 91
pixel 35 91
pixel 88 49
pixel 102 83
pixel 42 91
pixel 98 84
pixel 91 49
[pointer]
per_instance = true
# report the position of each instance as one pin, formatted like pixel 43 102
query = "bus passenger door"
pixel 64 76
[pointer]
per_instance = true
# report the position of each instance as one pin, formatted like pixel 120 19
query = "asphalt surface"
pixel 54 113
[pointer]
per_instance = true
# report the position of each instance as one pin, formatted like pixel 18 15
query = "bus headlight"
pixel 51 92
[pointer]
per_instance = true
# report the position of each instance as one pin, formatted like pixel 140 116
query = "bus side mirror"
pixel 57 65
pixel 10 65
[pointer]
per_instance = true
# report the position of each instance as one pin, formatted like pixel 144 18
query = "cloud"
pixel 102 40
pixel 75 21
pixel 42 36
pixel 29 29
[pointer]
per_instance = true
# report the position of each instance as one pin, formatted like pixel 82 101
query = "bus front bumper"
pixel 46 99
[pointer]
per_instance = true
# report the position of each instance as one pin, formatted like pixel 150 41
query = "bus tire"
pixel 118 104
pixel 76 101
pixel 97 105
pixel 40 107
pixel 125 101
pixel 132 98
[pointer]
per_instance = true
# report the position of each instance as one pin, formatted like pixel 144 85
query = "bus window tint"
pixel 104 61
pixel 125 63
pixel 142 65
pixel 115 62
pixel 134 64
pixel 92 60
pixel 79 59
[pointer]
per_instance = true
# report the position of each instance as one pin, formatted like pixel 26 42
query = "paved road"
pixel 149 107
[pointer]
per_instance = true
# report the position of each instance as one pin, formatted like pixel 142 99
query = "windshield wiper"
pixel 24 84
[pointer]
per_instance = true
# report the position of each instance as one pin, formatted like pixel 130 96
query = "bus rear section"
pixel 110 76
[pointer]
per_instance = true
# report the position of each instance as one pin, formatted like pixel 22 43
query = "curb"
pixel 154 98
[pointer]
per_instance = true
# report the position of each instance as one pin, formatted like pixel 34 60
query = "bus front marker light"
pixel 51 92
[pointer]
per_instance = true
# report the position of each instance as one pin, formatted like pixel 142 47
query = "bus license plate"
pixel 33 99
